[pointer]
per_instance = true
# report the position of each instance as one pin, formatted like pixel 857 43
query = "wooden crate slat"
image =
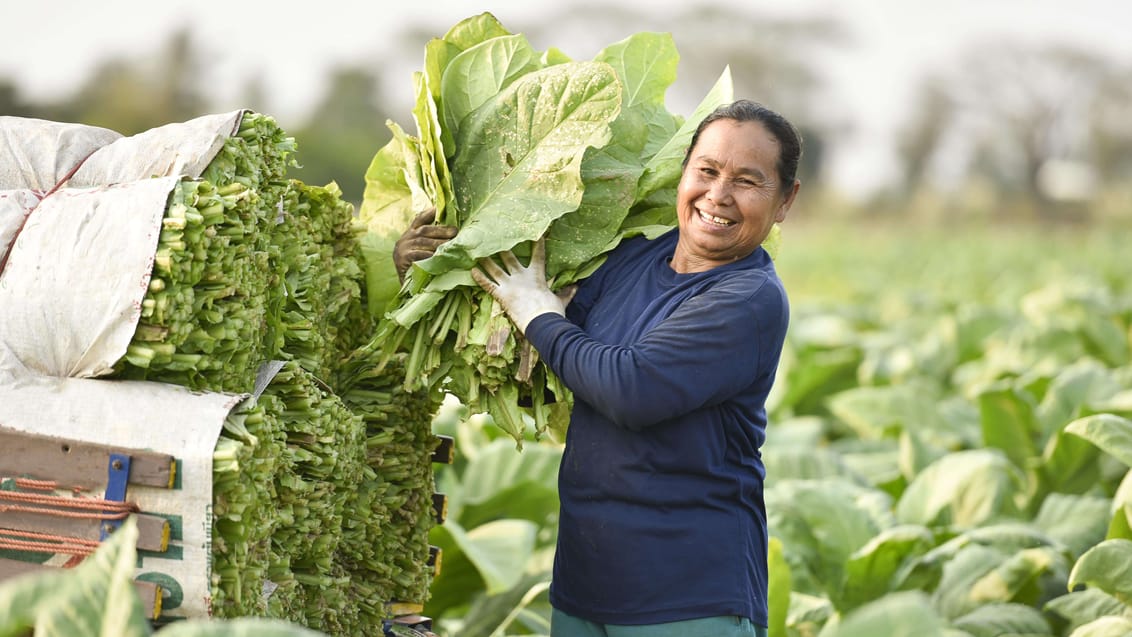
pixel 74 463
pixel 153 530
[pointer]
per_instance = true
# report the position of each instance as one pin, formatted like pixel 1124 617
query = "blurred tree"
pixel 12 103
pixel 116 96
pixel 177 73
pixel 1110 127
pixel 130 95
pixel 1015 113
pixel 918 140
pixel 345 130
pixel 253 95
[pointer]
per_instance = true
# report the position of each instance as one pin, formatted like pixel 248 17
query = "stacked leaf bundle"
pixel 323 460
pixel 517 145
pixel 249 454
pixel 385 535
pixel 207 309
pixel 323 314
pixel 287 470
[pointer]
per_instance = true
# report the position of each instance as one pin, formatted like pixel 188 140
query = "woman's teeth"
pixel 713 219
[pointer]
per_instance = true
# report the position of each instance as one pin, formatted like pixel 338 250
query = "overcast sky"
pixel 49 46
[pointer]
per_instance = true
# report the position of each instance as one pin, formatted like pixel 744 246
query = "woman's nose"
pixel 718 192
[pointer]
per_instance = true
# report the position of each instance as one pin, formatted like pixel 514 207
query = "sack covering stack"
pixel 183 261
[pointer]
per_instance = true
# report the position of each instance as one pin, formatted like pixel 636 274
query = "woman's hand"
pixel 419 241
pixel 522 291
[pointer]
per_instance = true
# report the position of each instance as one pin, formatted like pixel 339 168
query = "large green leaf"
pixel 1021 577
pixel 871 570
pixel 393 196
pixel 1085 310
pixel 645 64
pixel 499 550
pixel 479 73
pixel 878 461
pixel 808 613
pixel 1120 524
pixel 965 488
pixel 1004 620
pixel 807 463
pixel 778 588
pixel 610 176
pixel 916 454
pixel 822 522
pixel 879 412
pixel 1081 607
pixel 518 167
pixel 1009 424
pixel 1069 464
pixel 458 581
pixel 473 30
pixel 1105 627
pixel 905 614
pixel 439 52
pixel 523 485
pixel 1076 521
pixel 388 194
pixel 953 597
pixel 812 373
pixel 435 177
pixel 487 612
pixel 21 596
pixel 1112 433
pixel 974 324
pixel 1107 566
pixel 1075 391
pixel 1003 539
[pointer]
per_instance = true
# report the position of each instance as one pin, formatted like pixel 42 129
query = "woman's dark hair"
pixel 789 141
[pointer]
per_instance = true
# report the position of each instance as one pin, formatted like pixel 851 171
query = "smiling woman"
pixel 670 349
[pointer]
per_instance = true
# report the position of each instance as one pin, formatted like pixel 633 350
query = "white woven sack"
pixel 36 154
pixel 72 289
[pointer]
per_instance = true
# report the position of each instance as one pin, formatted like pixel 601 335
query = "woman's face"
pixel 729 195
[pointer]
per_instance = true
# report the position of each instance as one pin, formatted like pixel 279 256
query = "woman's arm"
pixel 712 347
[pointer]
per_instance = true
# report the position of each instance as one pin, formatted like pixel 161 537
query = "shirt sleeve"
pixel 713 346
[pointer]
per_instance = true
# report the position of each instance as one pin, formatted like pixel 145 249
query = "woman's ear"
pixel 787 201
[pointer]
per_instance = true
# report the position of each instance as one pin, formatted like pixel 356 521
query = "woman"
pixel 670 350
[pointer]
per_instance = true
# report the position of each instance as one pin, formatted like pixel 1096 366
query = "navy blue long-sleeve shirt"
pixel 662 515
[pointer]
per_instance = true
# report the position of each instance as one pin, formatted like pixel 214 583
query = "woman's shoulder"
pixel 757 282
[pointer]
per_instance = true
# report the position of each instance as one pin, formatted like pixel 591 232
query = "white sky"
pixel 51 45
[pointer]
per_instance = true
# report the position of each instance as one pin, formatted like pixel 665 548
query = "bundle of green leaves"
pixel 249 453
pixel 322 464
pixel 211 291
pixel 515 145
pixel 385 532
pixel 250 266
pixel 286 473
pixel 322 317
